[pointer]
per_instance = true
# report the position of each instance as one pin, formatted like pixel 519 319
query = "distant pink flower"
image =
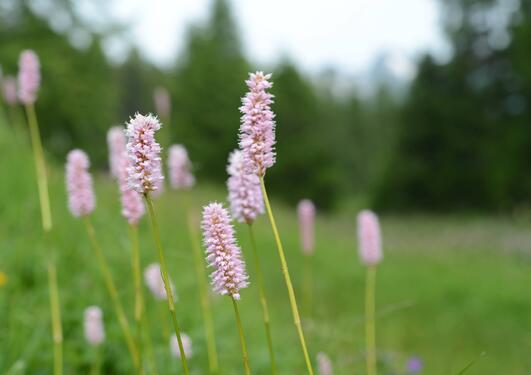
pixel 144 173
pixel 324 364
pixel 179 168
pixel 223 254
pixel 9 89
pixel 93 324
pixel 29 77
pixel 155 283
pixel 116 141
pixel 257 129
pixel 162 100
pixel 306 213
pixel 369 237
pixel 81 199
pixel 245 195
pixel 187 346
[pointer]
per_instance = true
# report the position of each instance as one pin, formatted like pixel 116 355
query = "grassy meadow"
pixel 451 290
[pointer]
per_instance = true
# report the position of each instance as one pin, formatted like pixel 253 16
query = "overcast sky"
pixel 345 34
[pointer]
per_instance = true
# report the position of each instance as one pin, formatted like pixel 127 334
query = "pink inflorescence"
pixel 155 283
pixel 324 364
pixel 9 90
pixel 369 237
pixel 132 205
pixel 223 254
pixel 306 213
pixel 187 346
pixel 257 129
pixel 245 196
pixel 144 172
pixel 81 199
pixel 161 97
pixel 29 77
pixel 93 324
pixel 116 142
pixel 179 168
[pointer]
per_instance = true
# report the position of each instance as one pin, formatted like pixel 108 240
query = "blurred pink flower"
pixel 9 90
pixel 93 324
pixel 324 364
pixel 81 199
pixel 144 172
pixel 29 77
pixel 223 254
pixel 257 129
pixel 187 346
pixel 306 213
pixel 179 168
pixel 162 100
pixel 245 195
pixel 116 142
pixel 369 238
pixel 155 283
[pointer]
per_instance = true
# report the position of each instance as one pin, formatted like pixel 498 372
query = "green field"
pixel 451 290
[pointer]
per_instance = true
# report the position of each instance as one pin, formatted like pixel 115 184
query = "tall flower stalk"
pixel 144 175
pixel 28 83
pixel 246 204
pixel 370 250
pixel 224 256
pixel 182 178
pixel 257 140
pixel 306 215
pixel 94 334
pixel 81 202
pixel 132 211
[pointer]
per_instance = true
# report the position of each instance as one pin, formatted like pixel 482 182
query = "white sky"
pixel 345 34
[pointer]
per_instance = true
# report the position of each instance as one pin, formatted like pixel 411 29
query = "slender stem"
pixel 46 217
pixel 203 291
pixel 245 357
pixel 164 271
pixel 149 347
pixel 308 284
pixel 96 363
pixel 287 278
pixel 370 332
pixel 113 292
pixel 56 318
pixel 40 168
pixel 263 300
pixel 139 300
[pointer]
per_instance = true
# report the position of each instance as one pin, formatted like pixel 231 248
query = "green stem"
pixel 40 168
pixel 245 357
pixel 46 217
pixel 149 347
pixel 111 288
pixel 308 284
pixel 96 364
pixel 139 300
pixel 370 334
pixel 263 300
pixel 287 279
pixel 203 291
pixel 165 278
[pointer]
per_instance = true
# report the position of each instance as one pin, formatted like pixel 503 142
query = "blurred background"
pixel 422 105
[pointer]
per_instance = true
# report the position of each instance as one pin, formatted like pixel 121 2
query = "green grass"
pixel 448 290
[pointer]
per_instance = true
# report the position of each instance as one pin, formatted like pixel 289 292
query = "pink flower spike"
pixel 93 324
pixel 29 77
pixel 179 168
pixel 116 142
pixel 369 237
pixel 324 364
pixel 245 195
pixel 9 90
pixel 81 199
pixel 162 100
pixel 257 129
pixel 223 254
pixel 155 283
pixel 306 213
pixel 144 172
pixel 187 346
